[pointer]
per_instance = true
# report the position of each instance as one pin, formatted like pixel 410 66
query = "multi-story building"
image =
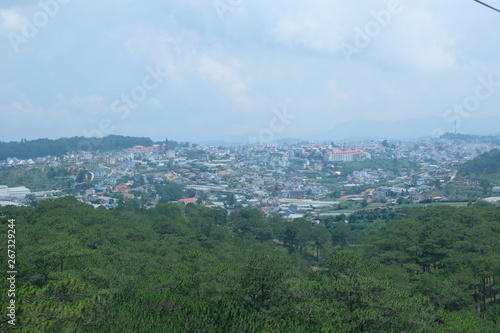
pixel 345 156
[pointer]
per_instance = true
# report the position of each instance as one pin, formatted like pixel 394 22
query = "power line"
pixel 485 4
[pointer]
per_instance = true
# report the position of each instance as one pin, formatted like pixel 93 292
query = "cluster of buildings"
pixel 292 179
pixel 13 195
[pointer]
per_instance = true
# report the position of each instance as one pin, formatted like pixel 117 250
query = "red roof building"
pixel 189 200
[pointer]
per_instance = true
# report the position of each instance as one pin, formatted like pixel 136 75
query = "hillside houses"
pixel 261 174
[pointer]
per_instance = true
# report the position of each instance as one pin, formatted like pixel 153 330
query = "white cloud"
pixel 232 73
pixel 425 42
pixel 337 92
pixel 18 113
pixel 88 103
pixel 12 21
pixel 313 25
pixel 224 75
pixel 11 26
pixel 154 103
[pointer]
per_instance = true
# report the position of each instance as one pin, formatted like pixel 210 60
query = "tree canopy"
pixel 42 147
pixel 189 268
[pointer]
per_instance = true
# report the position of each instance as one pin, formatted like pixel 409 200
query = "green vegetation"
pixel 189 268
pixel 390 164
pixel 485 167
pixel 35 178
pixel 43 147
pixel 170 191
pixel 48 178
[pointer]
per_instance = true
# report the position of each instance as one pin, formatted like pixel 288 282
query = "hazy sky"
pixel 221 69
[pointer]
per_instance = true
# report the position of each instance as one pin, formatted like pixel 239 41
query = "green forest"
pixel 37 178
pixel 485 166
pixel 176 268
pixel 42 147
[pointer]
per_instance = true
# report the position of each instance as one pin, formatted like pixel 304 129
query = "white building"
pixel 8 203
pixel 170 153
pixel 4 191
pixel 13 192
pixel 342 155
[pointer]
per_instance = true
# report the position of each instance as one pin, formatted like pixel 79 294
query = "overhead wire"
pixel 485 4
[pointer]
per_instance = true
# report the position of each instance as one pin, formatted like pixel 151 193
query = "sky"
pixel 192 70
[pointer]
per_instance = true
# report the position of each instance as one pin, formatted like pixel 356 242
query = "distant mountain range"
pixel 380 129
pixel 408 129
pixel 217 143
pixel 281 142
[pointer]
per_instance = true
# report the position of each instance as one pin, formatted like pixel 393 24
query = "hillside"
pixel 43 147
pixel 485 167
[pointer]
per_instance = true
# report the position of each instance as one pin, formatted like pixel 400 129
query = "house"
pixel 170 153
pixel 296 194
pixel 492 200
pixel 188 200
pixel 87 157
pixel 123 188
pixel 101 173
pixel 139 149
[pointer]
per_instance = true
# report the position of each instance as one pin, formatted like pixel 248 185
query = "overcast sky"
pixel 194 70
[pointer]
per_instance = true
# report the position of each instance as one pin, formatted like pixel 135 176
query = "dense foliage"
pixel 35 178
pixel 43 147
pixel 485 166
pixel 189 268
